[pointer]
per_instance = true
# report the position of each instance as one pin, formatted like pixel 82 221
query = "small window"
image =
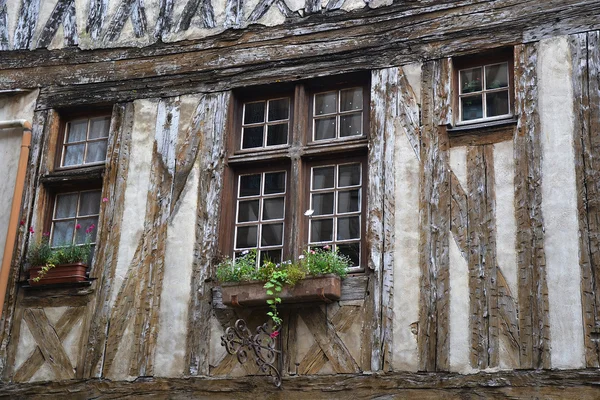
pixel 75 215
pixel 338 114
pixel 265 123
pixel 484 87
pixel 85 141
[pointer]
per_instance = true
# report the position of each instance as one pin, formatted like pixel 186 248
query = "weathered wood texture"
pixel 483 276
pixel 585 50
pixel 63 13
pixel 133 9
pixel 95 19
pixel 205 141
pixel 531 260
pixel 207 14
pixel 28 18
pixel 3 26
pixel 109 228
pixel 381 220
pixel 501 385
pixel 388 36
pixel 433 337
pixel 39 356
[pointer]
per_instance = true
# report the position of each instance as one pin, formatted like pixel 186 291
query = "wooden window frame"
pixel 296 157
pixel 505 55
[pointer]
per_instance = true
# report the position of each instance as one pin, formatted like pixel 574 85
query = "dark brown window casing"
pixel 327 129
pixel 483 87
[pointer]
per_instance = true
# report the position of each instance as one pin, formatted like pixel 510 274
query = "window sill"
pixel 73 175
pixel 352 288
pixel 466 127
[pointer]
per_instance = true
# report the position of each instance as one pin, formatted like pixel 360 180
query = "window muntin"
pixel 337 114
pixel 85 141
pixel 73 214
pixel 265 123
pixel 484 92
pixel 336 201
pixel 260 214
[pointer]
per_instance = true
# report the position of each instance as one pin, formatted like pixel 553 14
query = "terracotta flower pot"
pixel 325 288
pixel 61 273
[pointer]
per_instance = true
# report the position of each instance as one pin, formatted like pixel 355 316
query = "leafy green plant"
pixel 276 276
pixel 42 254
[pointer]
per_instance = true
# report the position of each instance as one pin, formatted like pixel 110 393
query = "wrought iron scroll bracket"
pixel 239 341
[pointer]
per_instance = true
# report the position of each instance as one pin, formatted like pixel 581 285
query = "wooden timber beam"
pixel 321 45
pixel 581 384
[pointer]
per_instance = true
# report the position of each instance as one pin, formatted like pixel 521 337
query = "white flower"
pixel 309 213
pixel 301 257
pixel 245 252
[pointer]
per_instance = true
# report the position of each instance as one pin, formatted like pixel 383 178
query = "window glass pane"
pixel 496 76
pixel 270 255
pixel 62 234
pixel 323 177
pixel 66 206
pixel 89 203
pixel 351 125
pixel 279 109
pixel 497 103
pixel 248 211
pixel 99 127
pixel 277 134
pixel 322 203
pixel 326 103
pixel 77 131
pixel 349 201
pixel 249 185
pixel 273 208
pixel 272 235
pixel 351 99
pixel 252 137
pixel 85 224
pixel 352 251
pixel 349 175
pixel 348 228
pixel 325 128
pixel 321 230
pixel 96 151
pixel 254 112
pixel 472 108
pixel 246 236
pixel 470 80
pixel 274 182
pixel 74 154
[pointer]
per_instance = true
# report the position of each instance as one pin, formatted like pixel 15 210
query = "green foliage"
pixel 324 261
pixel 39 253
pixel 276 276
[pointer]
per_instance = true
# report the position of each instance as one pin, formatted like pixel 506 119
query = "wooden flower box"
pixel 325 289
pixel 61 273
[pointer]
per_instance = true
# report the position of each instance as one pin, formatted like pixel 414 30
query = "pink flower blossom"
pixel 46 234
pixel 22 223
pixel 31 229
pixel 274 334
pixel 104 199
pixel 77 226
pixel 312 252
pixel 90 228
pixel 326 247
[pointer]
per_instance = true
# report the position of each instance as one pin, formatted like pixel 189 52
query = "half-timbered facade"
pixel 450 148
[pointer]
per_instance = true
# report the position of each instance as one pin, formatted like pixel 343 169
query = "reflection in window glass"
pixel 74 214
pixel 484 92
pixel 265 123
pixel 338 114
pixel 85 141
pixel 260 214
pixel 335 201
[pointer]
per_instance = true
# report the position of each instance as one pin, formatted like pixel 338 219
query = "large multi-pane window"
pixel 297 172
pixel 85 141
